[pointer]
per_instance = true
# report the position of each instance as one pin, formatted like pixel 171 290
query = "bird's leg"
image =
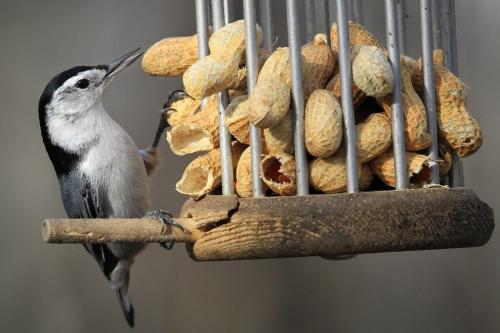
pixel 166 218
pixel 151 155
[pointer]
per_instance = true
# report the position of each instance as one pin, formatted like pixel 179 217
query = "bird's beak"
pixel 121 63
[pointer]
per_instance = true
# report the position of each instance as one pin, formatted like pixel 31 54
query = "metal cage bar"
pixel 401 15
pixel 326 8
pixel 202 31
pixel 228 12
pixel 310 18
pixel 429 84
pixel 252 68
pixel 357 11
pixel 202 27
pixel 450 59
pixel 293 25
pixel 398 119
pixel 266 22
pixel 347 106
pixel 223 101
pixel 436 24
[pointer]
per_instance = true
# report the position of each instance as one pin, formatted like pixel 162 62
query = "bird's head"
pixel 77 89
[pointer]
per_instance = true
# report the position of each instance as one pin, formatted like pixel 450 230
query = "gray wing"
pixel 81 201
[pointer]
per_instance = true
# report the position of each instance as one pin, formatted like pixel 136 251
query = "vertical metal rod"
pixel 223 101
pixel 293 26
pixel 350 9
pixel 357 11
pixel 401 14
pixel 450 59
pixel 310 15
pixel 228 12
pixel 429 89
pixel 252 67
pixel 202 27
pixel 398 118
pixel 326 8
pixel 209 13
pixel 436 41
pixel 202 31
pixel 436 24
pixel 347 106
pixel 266 21
pixel 449 35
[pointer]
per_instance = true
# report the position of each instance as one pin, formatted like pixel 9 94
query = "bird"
pixel 101 172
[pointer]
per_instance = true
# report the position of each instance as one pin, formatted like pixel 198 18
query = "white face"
pixel 78 94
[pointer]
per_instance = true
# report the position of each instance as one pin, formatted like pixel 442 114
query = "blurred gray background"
pixel 58 288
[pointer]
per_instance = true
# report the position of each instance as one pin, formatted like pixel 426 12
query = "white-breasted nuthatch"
pixel 101 173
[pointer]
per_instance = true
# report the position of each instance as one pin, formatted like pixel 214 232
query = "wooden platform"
pixel 227 228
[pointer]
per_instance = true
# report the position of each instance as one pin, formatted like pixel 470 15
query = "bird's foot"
pixel 166 219
pixel 174 95
pixel 163 124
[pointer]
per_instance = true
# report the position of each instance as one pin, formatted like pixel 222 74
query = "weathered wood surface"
pixel 210 211
pixel 117 230
pixel 338 224
pixel 224 228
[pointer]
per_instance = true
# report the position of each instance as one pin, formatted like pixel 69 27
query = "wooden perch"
pixel 117 230
pixel 139 230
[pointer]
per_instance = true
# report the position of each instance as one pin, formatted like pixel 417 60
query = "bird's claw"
pixel 173 96
pixel 166 219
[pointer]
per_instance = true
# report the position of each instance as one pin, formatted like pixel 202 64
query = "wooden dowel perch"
pixel 140 230
pixel 117 230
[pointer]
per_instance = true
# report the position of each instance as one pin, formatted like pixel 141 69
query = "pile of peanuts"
pixel 194 129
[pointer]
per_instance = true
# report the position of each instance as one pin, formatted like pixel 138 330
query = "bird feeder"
pixel 439 214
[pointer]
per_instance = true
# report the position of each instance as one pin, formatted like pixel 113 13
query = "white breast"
pixel 113 164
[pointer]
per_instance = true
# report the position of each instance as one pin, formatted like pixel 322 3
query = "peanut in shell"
pixel 171 56
pixel 365 177
pixel 372 72
pixel 329 175
pixel 417 135
pixel 236 119
pixel 244 175
pixel 210 75
pixel 373 137
pixel 279 139
pixel 358 96
pixel 322 124
pixel 456 126
pixel 270 99
pixel 358 35
pixel 318 64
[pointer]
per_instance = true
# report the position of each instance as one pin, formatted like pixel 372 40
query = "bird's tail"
pixel 119 282
pixel 127 307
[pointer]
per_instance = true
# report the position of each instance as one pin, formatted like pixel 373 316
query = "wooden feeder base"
pixel 227 227
pixel 340 224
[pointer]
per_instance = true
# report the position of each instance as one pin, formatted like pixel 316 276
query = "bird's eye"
pixel 82 84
